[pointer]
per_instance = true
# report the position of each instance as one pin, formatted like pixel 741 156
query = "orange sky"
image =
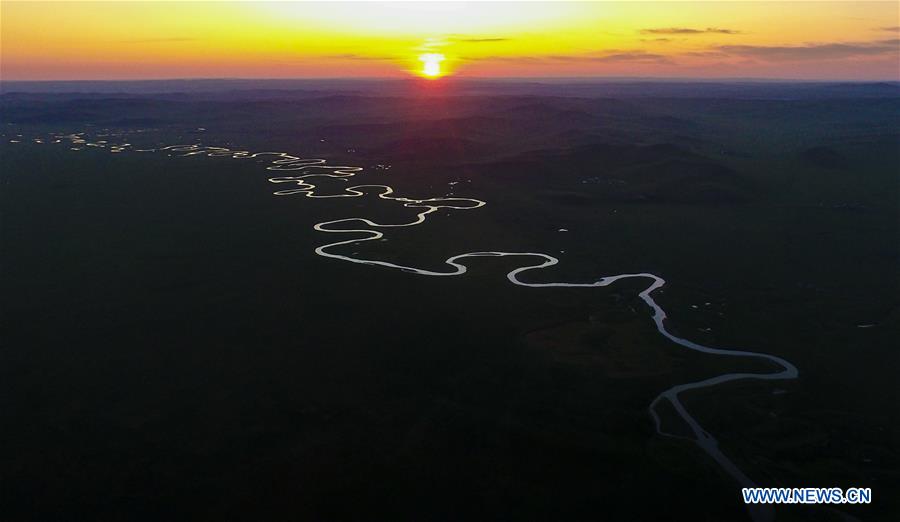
pixel 175 39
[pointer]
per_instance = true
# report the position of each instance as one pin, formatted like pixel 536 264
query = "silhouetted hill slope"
pixel 824 157
pixel 659 173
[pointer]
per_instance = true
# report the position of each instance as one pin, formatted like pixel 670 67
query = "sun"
pixel 431 67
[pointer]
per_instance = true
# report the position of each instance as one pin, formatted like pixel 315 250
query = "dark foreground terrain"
pixel 173 349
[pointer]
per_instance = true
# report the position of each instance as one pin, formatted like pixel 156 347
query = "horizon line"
pixel 685 79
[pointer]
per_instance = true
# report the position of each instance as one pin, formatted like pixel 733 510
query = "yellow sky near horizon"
pixel 175 39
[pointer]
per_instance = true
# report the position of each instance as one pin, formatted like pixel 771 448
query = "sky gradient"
pixel 165 39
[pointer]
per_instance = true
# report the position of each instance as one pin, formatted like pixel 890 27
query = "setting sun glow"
pixel 431 64
pixel 143 40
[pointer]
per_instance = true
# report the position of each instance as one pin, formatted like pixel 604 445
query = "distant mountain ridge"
pixel 584 87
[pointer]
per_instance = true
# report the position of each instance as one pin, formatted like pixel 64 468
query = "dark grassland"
pixel 174 350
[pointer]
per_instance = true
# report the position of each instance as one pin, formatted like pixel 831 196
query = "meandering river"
pixel 360 229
